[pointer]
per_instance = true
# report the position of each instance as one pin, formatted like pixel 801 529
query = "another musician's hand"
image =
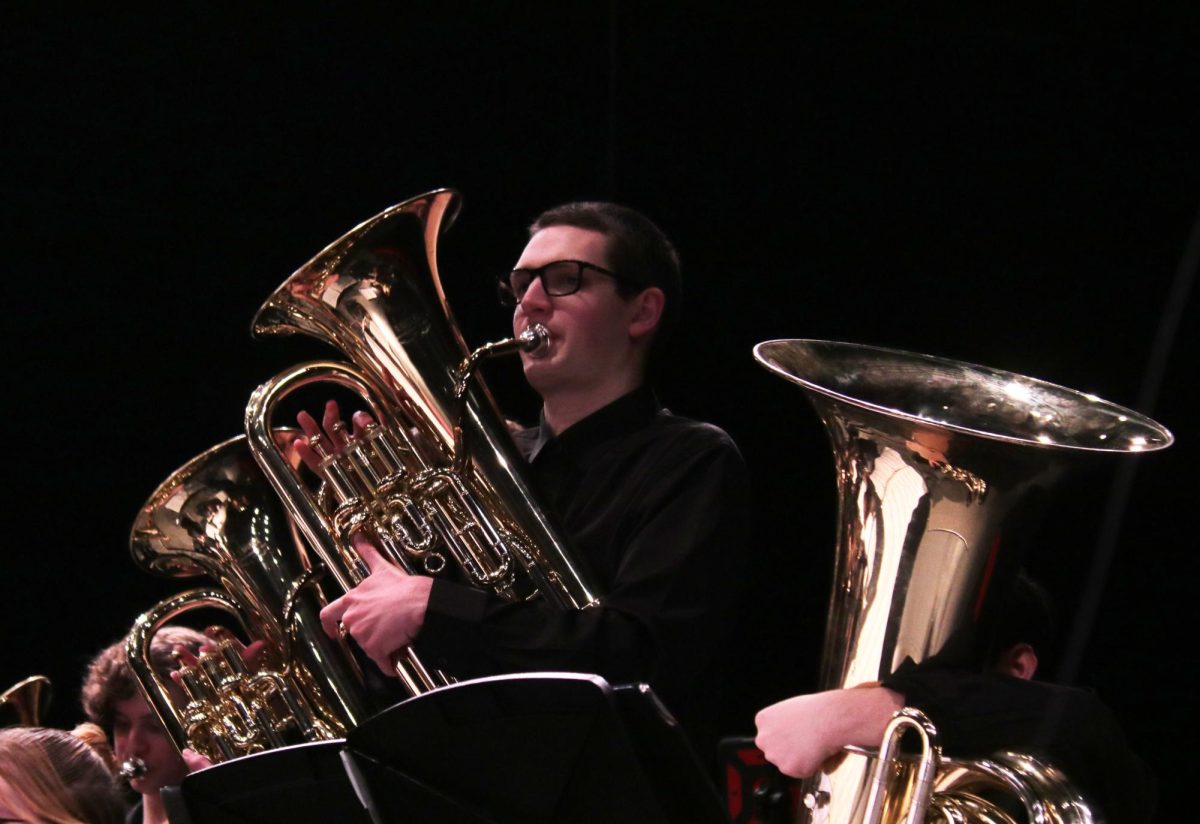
pixel 384 612
pixel 800 734
pixel 194 760
pixel 256 656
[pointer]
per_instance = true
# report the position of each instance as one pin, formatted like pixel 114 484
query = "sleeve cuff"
pixel 453 623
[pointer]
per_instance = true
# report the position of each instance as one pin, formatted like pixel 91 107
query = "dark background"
pixel 1013 187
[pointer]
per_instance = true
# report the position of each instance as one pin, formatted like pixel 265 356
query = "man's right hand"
pixel 331 430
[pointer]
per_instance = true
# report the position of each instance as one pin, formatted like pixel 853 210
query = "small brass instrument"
pixel 217 517
pixel 24 703
pixel 435 480
pixel 941 468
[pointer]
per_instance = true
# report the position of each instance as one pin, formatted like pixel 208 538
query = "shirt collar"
pixel 626 414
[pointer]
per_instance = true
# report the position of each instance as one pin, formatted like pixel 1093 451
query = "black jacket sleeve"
pixel 678 544
pixel 977 714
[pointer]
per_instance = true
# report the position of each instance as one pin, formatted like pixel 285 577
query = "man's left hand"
pixel 384 612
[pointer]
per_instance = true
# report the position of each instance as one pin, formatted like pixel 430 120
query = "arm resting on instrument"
pixel 801 733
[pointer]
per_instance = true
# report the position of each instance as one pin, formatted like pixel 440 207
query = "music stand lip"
pixel 547 675
pixel 274 779
pixel 545 746
pixel 256 756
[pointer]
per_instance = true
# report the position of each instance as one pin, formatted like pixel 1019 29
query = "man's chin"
pixel 541 376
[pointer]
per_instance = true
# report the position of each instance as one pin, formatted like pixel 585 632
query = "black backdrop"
pixel 1013 187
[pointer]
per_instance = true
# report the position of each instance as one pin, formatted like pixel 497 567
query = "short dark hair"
pixel 109 679
pixel 1026 616
pixel 639 251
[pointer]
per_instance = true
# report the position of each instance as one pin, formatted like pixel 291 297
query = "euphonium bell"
pixel 24 703
pixel 942 468
pixel 216 517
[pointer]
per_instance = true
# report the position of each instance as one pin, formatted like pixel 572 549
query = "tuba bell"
pixel 435 480
pixel 942 469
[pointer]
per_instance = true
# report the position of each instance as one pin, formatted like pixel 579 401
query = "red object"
pixel 755 791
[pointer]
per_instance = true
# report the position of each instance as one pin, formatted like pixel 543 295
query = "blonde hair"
pixel 55 776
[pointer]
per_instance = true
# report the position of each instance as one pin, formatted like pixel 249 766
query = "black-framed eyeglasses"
pixel 559 278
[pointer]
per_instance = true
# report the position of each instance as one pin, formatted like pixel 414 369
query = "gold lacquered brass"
pixel 1007 788
pixel 941 468
pixel 436 481
pixel 216 517
pixel 24 703
pixel 439 481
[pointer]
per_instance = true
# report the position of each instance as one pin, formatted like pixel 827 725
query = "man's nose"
pixel 135 742
pixel 535 301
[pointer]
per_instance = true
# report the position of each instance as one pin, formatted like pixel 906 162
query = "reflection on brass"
pixel 938 465
pixel 216 517
pixel 976 486
pixel 131 768
pixel 435 480
pixel 927 786
pixel 25 702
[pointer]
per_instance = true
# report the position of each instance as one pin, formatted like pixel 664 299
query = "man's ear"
pixel 1019 661
pixel 647 309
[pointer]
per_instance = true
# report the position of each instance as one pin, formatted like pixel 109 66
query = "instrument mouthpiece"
pixel 535 340
pixel 132 768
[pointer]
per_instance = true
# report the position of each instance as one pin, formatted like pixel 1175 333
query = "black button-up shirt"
pixel 657 508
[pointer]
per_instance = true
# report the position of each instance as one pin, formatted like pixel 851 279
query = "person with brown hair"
pixel 111 699
pixel 656 505
pixel 49 775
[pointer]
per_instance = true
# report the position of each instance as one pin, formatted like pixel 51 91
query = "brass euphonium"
pixel 941 468
pixel 25 702
pixel 436 481
pixel 217 517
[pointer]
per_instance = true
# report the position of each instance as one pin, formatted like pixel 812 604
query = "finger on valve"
pixel 254 655
pixel 304 445
pixel 335 428
pixel 331 617
pixel 361 420
pixel 366 549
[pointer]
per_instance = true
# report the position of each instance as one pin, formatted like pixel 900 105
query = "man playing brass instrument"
pixel 977 713
pixel 111 699
pixel 656 504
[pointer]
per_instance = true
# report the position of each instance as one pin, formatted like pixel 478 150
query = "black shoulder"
pixel 693 436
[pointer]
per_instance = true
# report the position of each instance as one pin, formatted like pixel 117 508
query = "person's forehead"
pixel 564 243
pixel 133 707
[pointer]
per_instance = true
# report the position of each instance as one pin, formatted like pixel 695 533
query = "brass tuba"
pixel 942 468
pixel 436 480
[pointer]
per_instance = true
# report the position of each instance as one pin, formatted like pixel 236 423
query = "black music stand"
pixel 302 783
pixel 542 748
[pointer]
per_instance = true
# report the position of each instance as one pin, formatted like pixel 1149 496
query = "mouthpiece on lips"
pixel 535 340
pixel 132 768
